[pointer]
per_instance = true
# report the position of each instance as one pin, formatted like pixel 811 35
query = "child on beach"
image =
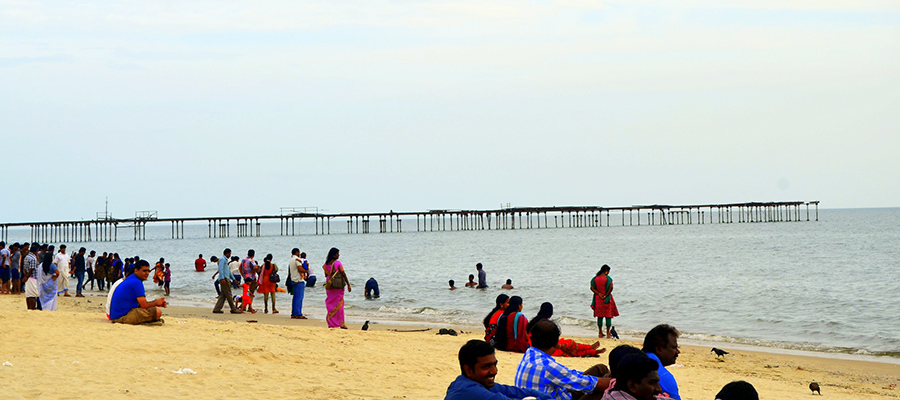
pixel 167 278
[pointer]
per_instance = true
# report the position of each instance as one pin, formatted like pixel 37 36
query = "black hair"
pixel 501 298
pixel 470 352
pixel 235 258
pixel 633 368
pixel 142 263
pixel 479 266
pixel 544 334
pixel 47 262
pixel 509 281
pixel 604 268
pixel 82 249
pixel 738 390
pixel 451 282
pixel 331 254
pixel 545 312
pixel 617 354
pixel 658 337
pixel 251 253
pixel 500 338
pixel 268 259
pixel 226 251
pixel 201 256
pixel 295 251
pixel 471 277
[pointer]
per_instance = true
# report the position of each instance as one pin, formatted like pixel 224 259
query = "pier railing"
pixel 105 228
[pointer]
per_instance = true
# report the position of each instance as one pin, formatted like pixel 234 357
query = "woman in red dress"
pixel 603 304
pixel 266 287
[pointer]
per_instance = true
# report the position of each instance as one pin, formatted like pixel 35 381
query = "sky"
pixel 223 108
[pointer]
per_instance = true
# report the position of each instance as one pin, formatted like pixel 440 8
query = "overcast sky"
pixel 215 108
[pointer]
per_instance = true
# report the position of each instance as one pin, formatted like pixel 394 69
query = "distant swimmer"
pixel 507 285
pixel 372 289
pixel 471 282
pixel 482 276
pixel 452 285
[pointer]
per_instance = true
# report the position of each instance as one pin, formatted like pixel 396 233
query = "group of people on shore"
pixel 42 273
pixel 254 278
pixel 632 373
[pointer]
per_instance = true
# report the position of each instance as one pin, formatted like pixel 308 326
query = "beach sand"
pixel 75 353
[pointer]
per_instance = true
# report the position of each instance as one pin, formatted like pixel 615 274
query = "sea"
pixel 830 286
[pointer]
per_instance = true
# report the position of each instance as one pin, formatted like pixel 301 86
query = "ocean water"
pixel 826 286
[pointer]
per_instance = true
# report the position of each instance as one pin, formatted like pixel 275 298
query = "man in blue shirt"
pixel 479 368
pixel 539 371
pixel 225 285
pixel 129 304
pixel 661 344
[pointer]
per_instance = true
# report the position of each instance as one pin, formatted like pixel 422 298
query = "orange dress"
pixel 266 286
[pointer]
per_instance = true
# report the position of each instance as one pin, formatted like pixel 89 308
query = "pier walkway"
pixel 107 228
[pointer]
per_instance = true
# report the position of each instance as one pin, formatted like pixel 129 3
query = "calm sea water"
pixel 827 286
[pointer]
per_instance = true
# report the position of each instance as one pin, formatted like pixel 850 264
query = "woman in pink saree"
pixel 334 298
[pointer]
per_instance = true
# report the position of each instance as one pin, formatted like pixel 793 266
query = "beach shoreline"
pixel 390 361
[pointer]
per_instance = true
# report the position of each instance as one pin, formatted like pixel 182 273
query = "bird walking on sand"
pixel 815 388
pixel 613 333
pixel 365 326
pixel 719 352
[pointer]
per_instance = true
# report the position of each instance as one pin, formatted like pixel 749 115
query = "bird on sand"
pixel 613 333
pixel 365 326
pixel 719 352
pixel 815 388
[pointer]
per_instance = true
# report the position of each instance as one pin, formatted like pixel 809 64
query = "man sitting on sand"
pixel 636 379
pixel 539 371
pixel 661 344
pixel 479 368
pixel 128 304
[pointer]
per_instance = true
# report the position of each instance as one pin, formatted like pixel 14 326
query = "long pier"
pixel 107 229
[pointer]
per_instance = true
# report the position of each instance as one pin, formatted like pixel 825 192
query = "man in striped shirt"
pixel 539 371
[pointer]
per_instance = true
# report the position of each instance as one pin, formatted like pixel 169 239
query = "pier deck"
pixel 106 229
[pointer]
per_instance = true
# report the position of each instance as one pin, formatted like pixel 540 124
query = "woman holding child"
pixel 603 304
pixel 334 296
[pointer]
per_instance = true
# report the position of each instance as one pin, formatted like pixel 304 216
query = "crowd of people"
pixel 632 374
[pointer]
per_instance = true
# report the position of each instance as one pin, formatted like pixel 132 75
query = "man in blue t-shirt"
pixel 661 344
pixel 479 368
pixel 129 304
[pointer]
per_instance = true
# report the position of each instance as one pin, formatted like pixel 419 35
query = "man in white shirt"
pixel 297 273
pixel 62 264
pixel 89 267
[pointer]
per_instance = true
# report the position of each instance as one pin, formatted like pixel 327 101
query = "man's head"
pixel 637 375
pixel 227 253
pixel 14 247
pixel 545 335
pixel 200 256
pixel 93 253
pixel 251 253
pixel 452 283
pixel 471 277
pixel 738 390
pixel 142 270
pixel 478 266
pixel 62 248
pixel 302 254
pixel 618 353
pixel 662 340
pixel 295 251
pixel 2 245
pixel 82 250
pixel 478 363
pixel 509 281
pixel 214 259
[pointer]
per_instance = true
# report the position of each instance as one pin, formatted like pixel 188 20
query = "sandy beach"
pixel 75 353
